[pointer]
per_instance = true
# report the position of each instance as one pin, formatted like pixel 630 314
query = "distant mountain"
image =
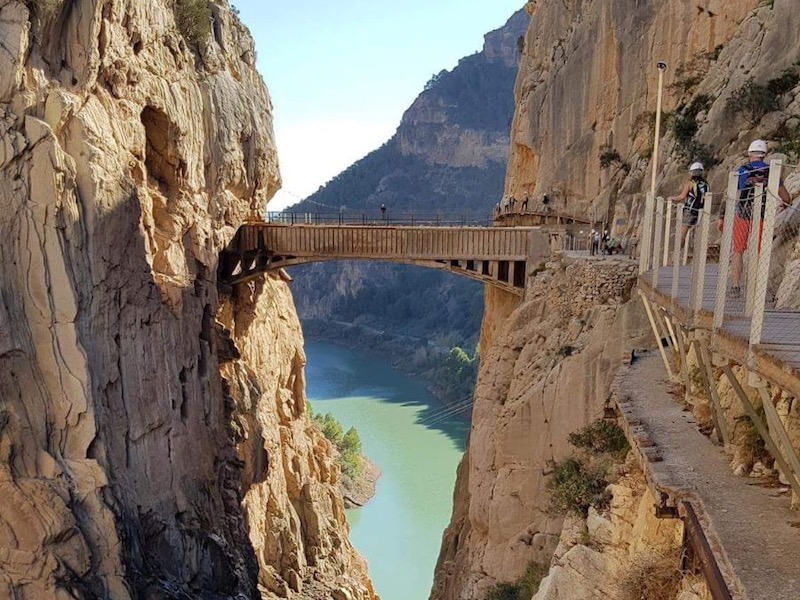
pixel 449 154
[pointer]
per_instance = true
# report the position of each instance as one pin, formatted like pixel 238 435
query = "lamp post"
pixel 662 66
pixel 646 253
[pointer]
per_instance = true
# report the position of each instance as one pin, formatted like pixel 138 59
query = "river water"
pixel 400 530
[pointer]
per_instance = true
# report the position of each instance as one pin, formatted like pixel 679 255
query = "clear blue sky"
pixel 342 73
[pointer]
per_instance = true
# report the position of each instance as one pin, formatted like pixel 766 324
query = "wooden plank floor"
pixel 781 330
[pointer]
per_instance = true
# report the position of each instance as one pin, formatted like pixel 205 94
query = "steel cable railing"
pixel 733 271
pixel 379 218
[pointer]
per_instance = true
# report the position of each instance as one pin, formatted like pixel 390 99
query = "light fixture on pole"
pixel 646 251
pixel 662 66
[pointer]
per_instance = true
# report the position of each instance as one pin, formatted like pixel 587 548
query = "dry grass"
pixel 653 576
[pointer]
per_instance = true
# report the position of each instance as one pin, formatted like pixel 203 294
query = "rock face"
pixel 152 437
pixel 586 88
pixel 545 371
pixel 587 84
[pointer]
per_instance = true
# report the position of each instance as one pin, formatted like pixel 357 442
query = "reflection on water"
pixel 399 531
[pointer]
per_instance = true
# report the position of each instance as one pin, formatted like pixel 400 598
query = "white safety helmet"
pixel 758 147
pixel 698 166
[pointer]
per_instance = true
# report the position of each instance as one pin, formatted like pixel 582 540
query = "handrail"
pixel 378 218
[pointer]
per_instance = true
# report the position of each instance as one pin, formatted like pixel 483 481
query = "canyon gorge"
pixel 155 440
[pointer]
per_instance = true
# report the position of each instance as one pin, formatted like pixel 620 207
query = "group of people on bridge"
pixel 508 204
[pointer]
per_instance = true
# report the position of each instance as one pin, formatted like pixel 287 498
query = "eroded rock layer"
pixel 152 437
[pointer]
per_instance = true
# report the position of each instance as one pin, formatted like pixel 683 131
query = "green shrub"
pixel 503 591
pixel 575 486
pixel 754 101
pixel 524 588
pixel 789 138
pixel 193 18
pixel 331 428
pixel 348 444
pixel 610 156
pixel 601 437
pixel 350 454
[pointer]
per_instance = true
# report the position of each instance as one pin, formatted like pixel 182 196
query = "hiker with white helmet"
pixel 693 196
pixel 753 173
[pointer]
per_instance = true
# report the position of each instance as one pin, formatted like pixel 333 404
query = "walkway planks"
pixel 777 358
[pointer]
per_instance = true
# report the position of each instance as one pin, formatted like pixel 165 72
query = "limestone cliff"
pixel 587 84
pixel 545 371
pixel 152 437
pixel 586 87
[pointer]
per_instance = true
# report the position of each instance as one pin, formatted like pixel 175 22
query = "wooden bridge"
pixel 494 255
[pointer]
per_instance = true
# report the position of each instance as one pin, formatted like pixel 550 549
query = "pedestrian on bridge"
pixel 693 195
pixel 383 212
pixel 754 172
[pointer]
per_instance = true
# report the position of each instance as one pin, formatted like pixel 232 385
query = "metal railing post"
pixel 753 248
pixel 731 198
pixel 699 259
pixel 676 253
pixel 765 255
pixel 646 235
pixel 659 222
pixel 667 229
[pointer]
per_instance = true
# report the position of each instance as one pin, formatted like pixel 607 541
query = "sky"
pixel 341 74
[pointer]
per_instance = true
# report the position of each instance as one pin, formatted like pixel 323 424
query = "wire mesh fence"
pixel 738 256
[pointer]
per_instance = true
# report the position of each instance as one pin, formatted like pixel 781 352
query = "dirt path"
pixel 751 528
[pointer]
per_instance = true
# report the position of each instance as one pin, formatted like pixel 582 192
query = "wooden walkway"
pixel 777 358
pixel 494 255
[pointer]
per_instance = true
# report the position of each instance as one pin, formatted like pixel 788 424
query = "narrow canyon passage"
pixel 399 531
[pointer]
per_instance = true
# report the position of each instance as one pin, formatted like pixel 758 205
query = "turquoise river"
pixel 399 531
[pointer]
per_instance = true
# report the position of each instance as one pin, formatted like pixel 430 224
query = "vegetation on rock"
pixel 193 18
pixel 655 575
pixel 348 444
pixel 754 101
pixel 580 482
pixel 601 437
pixel 525 587
pixel 575 485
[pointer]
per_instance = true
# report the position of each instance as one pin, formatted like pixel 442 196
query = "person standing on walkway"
pixel 595 242
pixel 525 202
pixel 693 196
pixel 383 212
pixel 754 172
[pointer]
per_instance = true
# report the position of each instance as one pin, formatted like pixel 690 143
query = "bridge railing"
pixel 723 251
pixel 378 218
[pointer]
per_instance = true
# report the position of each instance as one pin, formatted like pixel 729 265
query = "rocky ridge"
pixel 153 440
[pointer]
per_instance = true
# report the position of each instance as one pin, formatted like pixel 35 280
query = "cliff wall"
pixel 586 88
pixel 546 367
pixel 587 84
pixel 153 442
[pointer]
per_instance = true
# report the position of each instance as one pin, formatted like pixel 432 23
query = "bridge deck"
pixel 495 255
pixel 778 356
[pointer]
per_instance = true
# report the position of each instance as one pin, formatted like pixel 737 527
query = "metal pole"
pixel 657 239
pixel 662 66
pixel 725 250
pixel 753 249
pixel 765 254
pixel 676 254
pixel 697 288
pixel 667 230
